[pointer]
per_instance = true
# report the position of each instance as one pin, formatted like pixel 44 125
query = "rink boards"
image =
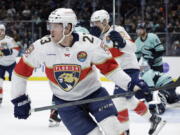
pixel 171 66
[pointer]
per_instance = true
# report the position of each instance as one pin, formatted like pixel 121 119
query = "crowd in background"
pixel 26 19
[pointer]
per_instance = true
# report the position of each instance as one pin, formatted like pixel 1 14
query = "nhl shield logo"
pixel 67 76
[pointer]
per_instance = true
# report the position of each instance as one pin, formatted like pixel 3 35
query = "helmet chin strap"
pixel 64 36
pixel 59 42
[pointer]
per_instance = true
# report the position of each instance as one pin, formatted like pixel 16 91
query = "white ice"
pixel 37 123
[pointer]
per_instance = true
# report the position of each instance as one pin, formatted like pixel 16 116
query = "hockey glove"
pixel 95 31
pixel 143 91
pixel 156 54
pixel 6 52
pixel 21 107
pixel 117 39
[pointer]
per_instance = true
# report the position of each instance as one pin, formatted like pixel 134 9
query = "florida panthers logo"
pixel 67 76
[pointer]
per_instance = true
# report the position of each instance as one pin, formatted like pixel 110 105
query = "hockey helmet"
pixel 100 15
pixel 64 16
pixel 2 27
pixel 141 26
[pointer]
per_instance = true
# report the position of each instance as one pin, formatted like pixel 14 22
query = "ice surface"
pixel 37 123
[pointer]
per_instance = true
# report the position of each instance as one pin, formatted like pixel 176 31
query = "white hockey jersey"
pixel 125 56
pixel 8 43
pixel 69 69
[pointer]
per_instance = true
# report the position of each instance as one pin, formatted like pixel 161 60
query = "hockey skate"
pixel 54 120
pixel 156 125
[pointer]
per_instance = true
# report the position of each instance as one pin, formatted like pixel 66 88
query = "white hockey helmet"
pixel 100 15
pixel 2 27
pixel 64 16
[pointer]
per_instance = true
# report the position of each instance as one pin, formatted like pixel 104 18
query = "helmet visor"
pixel 53 26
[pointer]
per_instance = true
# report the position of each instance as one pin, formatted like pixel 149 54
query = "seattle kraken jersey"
pixel 150 49
pixel 8 43
pixel 156 79
pixel 81 29
pixel 124 56
pixel 69 69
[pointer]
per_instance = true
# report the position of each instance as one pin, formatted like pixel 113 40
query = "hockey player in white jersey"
pixel 69 59
pixel 54 118
pixel 123 50
pixel 8 53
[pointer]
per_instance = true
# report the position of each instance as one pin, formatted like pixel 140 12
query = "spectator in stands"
pixel 130 13
pixel 176 48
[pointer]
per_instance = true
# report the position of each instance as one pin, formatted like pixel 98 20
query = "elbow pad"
pixel 117 39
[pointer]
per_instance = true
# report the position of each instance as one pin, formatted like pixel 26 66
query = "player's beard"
pixel 2 35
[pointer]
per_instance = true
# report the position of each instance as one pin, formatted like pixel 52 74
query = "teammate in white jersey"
pixel 123 50
pixel 54 119
pixel 69 59
pixel 8 53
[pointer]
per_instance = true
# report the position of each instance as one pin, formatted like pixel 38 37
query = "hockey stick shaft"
pixel 80 102
pixel 167 86
pixel 114 13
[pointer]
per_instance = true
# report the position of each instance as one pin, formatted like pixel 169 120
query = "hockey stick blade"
pixel 167 86
pixel 80 102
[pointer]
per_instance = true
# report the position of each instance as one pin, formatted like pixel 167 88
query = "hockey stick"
pixel 114 13
pixel 167 86
pixel 80 102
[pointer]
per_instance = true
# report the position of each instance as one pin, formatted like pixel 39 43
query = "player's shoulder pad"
pixel 152 35
pixel 40 43
pixel 89 39
pixel 8 37
pixel 119 28
pixel 44 40
pixel 137 40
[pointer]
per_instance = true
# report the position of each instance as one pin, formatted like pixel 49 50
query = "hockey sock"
pixel 142 110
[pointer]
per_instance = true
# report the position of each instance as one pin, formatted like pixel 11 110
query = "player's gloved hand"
pixel 144 94
pixel 22 107
pixel 117 39
pixel 6 52
pixel 156 54
pixel 95 31
pixel 141 88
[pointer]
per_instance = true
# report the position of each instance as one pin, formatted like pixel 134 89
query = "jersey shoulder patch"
pixel 8 37
pixel 87 38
